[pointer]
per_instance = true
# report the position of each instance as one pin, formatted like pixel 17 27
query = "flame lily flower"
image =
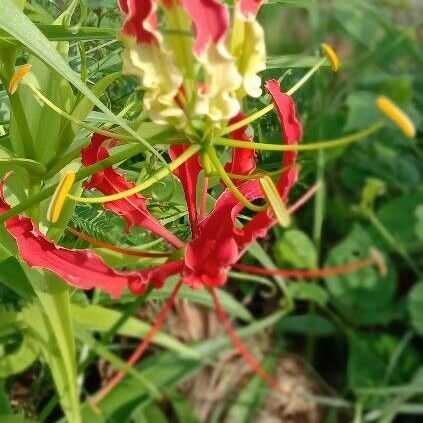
pixel 217 243
pixel 195 85
pixel 204 75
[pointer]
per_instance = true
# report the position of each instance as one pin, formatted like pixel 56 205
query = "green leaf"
pixel 358 23
pixel 14 22
pixel 85 105
pixel 167 370
pixel 293 3
pixel 292 61
pixel 308 291
pixel 61 33
pixel 20 359
pixel 181 406
pixel 419 224
pixel 308 325
pixel 201 296
pixel 250 397
pixel 363 297
pixel 103 351
pixel 31 166
pixel 295 248
pixel 12 275
pixel 97 318
pixel 9 418
pixel 361 110
pixel 415 307
pixel 392 214
pixel 369 358
pixel 51 325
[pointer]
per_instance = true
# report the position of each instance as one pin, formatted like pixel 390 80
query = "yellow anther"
pixel 17 78
pixel 59 197
pixel 379 261
pixel 275 201
pixel 331 56
pixel 394 113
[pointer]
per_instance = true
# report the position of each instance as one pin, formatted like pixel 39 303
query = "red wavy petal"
pixel 211 21
pixel 214 249
pixel 108 181
pixel 243 160
pixel 188 175
pixel 141 19
pixel 292 132
pixel 80 268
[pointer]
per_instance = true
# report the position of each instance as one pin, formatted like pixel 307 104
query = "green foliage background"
pixel 361 333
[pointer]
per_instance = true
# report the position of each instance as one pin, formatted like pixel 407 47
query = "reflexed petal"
pixel 211 22
pixel 243 160
pixel 210 254
pixel 80 268
pixel 145 57
pixel 156 276
pixel 133 209
pixel 248 46
pixel 188 175
pixel 292 132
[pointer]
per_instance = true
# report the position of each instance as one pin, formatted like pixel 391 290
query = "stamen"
pixel 396 115
pixel 379 261
pixel 274 199
pixel 204 194
pixel 122 250
pixel 17 78
pixel 160 174
pixel 140 350
pixel 331 56
pixel 59 111
pixel 59 197
pixel 229 184
pixel 242 348
pixel 250 177
pixel 312 145
pixel 306 77
pixel 314 273
pixel 257 115
pixel 306 197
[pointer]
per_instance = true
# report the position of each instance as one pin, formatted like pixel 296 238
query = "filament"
pixel 312 145
pixel 160 174
pixel 122 250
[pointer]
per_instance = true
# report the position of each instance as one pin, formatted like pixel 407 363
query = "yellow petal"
pixel 17 78
pixel 249 49
pixel 331 56
pixel 221 80
pixel 59 197
pixel 394 113
pixel 159 77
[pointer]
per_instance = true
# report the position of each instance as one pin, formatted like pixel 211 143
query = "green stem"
pixel 270 107
pixel 27 143
pixel 160 174
pixel 307 76
pixel 59 111
pixel 311 145
pixel 211 153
